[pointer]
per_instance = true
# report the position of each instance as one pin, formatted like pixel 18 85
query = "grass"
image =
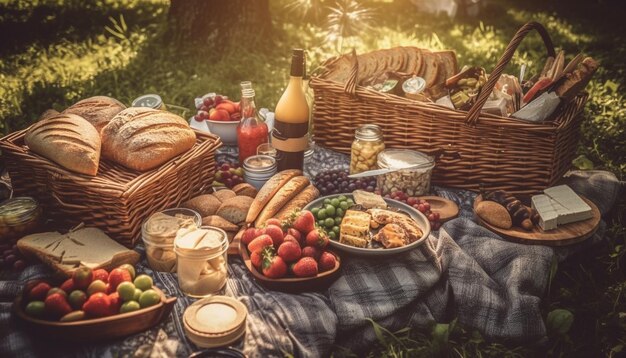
pixel 55 52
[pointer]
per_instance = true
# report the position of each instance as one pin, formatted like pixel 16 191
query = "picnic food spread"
pixel 263 202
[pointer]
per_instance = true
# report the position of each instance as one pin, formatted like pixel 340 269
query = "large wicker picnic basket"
pixel 118 199
pixel 473 147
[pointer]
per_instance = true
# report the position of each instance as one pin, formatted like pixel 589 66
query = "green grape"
pixel 330 210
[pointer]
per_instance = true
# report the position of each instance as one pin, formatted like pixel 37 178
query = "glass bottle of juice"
pixel 251 131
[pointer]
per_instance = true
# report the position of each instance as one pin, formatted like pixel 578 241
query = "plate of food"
pixel 367 224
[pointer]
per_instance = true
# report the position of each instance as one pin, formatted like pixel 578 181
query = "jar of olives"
pixel 19 217
pixel 368 142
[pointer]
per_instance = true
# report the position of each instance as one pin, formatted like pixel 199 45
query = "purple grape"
pixel 10 259
pixel 370 189
pixel 352 187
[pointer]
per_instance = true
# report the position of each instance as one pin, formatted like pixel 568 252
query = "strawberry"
pixel 273 221
pixel 82 277
pixel 305 267
pixel 260 242
pixel 68 285
pixel 327 261
pixel 98 305
pixel 289 238
pixel 101 274
pixel 118 276
pixel 39 292
pixel 295 233
pixel 256 259
pixel 56 306
pixel 249 235
pixel 311 251
pixel 274 266
pixel 304 222
pixel 289 251
pixel 276 233
pixel 116 303
pixel 317 238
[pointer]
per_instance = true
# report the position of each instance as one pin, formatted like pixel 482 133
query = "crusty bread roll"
pixel 98 110
pixel 235 209
pixel 205 205
pixel 306 196
pixel 219 222
pixel 269 189
pixel 282 197
pixel 224 194
pixel 245 189
pixel 144 138
pixel 68 140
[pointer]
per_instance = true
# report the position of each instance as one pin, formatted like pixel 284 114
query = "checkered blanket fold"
pixel 463 271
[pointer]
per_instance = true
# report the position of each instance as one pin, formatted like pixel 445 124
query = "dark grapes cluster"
pixel 337 181
pixel 228 174
pixel 11 258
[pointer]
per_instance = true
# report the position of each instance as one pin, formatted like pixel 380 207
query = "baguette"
pixel 282 197
pixel 269 189
pixel 306 196
pixel 68 140
pixel 98 110
pixel 143 138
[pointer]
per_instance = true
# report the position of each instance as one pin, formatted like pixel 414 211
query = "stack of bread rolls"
pixel 280 196
pixel 137 138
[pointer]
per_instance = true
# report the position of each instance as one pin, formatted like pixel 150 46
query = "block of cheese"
pixel 354 228
pixel 369 200
pixel 352 240
pixel 560 205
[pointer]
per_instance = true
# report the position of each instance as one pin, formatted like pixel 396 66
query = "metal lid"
pixel 404 158
pixel 149 101
pixel 18 210
pixel 215 321
pixel 369 132
pixel 414 85
pixel 259 163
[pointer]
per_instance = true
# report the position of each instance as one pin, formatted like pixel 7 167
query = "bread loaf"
pixel 48 113
pixel 282 197
pixel 144 138
pixel 235 209
pixel 269 189
pixel 245 189
pixel 306 196
pixel 219 222
pixel 224 194
pixel 67 140
pixel 98 110
pixel 205 205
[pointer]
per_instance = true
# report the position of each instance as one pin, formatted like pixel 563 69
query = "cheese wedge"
pixel 560 205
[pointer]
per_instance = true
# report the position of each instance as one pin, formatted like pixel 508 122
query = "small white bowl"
pixel 226 130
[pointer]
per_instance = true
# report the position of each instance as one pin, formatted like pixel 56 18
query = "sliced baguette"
pixel 282 197
pixel 269 189
pixel 306 196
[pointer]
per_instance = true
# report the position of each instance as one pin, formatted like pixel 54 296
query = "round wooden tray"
pixel 563 235
pixel 97 329
pixel 447 209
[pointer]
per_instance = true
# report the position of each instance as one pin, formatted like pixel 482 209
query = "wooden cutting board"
pixel 447 209
pixel 563 235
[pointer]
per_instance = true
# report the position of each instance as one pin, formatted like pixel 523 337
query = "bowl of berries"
pixel 218 115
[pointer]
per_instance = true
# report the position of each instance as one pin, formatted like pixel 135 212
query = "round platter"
pixel 447 209
pixel 561 236
pixel 419 218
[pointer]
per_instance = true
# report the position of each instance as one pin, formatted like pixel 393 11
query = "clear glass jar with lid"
pixel 413 173
pixel 19 217
pixel 368 142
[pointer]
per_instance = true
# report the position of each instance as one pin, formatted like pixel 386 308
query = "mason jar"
pixel 368 142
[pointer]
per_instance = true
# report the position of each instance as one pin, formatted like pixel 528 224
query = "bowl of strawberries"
pixel 290 255
pixel 93 305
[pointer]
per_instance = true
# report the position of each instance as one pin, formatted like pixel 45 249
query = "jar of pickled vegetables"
pixel 368 142
pixel 19 217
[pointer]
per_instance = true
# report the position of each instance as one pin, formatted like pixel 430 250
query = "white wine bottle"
pixel 291 126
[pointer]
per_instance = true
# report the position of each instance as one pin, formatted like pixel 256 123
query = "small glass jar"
pixel 202 261
pixel 159 231
pixel 368 142
pixel 19 217
pixel 153 101
pixel 413 181
pixel 258 169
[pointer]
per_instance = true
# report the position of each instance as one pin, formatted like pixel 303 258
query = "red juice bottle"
pixel 251 131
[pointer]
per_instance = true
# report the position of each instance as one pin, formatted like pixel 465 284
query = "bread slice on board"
pixel 68 140
pixel 89 247
pixel 306 196
pixel 269 189
pixel 144 138
pixel 98 110
pixel 282 197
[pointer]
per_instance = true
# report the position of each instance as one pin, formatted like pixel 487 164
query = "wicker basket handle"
pixel 474 112
pixel 351 83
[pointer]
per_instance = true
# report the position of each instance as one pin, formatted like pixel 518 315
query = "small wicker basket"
pixel 474 148
pixel 118 199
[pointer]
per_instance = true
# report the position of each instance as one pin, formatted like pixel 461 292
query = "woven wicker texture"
pixel 118 199
pixel 473 147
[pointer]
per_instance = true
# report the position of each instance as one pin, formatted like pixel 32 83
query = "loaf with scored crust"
pixel 97 110
pixel 144 138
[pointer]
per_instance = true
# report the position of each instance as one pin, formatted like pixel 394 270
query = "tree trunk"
pixel 211 21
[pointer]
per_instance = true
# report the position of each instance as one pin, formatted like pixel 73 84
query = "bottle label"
pixel 290 137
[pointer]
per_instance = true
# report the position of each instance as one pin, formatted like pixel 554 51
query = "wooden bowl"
pixel 97 329
pixel 293 284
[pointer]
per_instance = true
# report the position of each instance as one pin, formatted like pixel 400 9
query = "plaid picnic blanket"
pixel 463 271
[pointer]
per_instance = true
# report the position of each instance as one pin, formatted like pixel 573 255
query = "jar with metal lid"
pixel 413 176
pixel 368 142
pixel 153 101
pixel 258 169
pixel 19 217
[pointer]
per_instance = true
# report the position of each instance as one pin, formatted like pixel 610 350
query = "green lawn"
pixel 55 52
